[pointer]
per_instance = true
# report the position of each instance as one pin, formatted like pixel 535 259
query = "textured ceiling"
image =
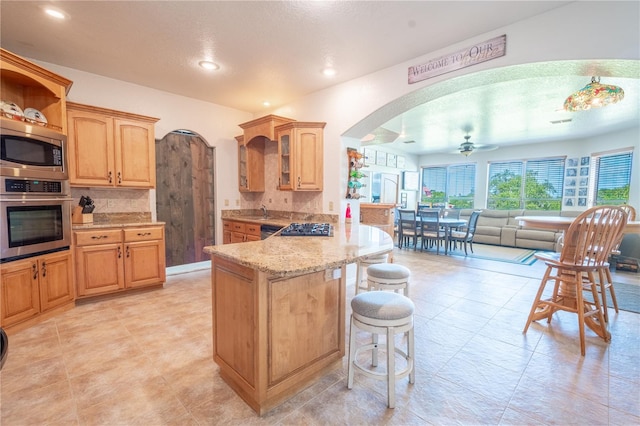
pixel 275 51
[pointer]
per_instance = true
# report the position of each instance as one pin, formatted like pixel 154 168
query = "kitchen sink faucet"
pixel 264 211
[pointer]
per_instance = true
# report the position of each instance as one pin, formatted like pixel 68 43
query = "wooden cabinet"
pixel 300 156
pixel 251 164
pixel 239 232
pixel 31 86
pixel 110 148
pixel 251 148
pixel 35 285
pixel 112 260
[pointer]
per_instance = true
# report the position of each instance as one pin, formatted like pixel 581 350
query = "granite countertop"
pixel 96 225
pixel 289 256
pixel 276 221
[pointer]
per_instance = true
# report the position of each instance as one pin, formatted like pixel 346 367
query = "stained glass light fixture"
pixel 593 95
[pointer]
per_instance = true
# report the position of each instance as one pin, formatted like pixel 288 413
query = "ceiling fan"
pixel 466 148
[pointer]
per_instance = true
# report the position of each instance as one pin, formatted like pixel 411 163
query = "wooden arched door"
pixel 184 196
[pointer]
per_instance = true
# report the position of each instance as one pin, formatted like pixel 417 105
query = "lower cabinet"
pixel 113 260
pixel 239 232
pixel 35 285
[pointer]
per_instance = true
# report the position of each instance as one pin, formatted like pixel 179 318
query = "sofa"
pixel 499 227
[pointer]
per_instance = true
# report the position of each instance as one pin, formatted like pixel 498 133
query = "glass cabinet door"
pixel 284 151
pixel 242 167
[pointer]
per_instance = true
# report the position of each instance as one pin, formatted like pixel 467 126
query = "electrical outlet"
pixel 237 202
pixel 111 203
pixel 285 201
pixel 330 206
pixel 226 203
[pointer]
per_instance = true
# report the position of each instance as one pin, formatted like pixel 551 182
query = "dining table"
pixel 448 223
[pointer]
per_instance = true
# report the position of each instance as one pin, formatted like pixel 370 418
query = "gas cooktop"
pixel 308 230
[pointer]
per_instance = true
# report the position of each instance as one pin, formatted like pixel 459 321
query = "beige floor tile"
pixel 146 359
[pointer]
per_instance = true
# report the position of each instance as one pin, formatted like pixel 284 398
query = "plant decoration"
pixel 356 162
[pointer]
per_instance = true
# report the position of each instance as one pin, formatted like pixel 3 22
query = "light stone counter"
pixel 290 256
pixel 279 308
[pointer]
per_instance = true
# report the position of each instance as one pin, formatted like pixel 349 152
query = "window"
pixel 613 178
pixel 530 184
pixel 454 185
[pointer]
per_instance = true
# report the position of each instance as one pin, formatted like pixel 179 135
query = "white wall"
pixel 354 108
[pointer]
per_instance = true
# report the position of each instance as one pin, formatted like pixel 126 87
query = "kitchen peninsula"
pixel 279 309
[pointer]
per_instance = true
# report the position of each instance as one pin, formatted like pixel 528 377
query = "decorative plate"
pixel 34 116
pixel 11 110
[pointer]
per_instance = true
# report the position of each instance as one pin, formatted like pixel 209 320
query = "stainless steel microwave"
pixel 31 151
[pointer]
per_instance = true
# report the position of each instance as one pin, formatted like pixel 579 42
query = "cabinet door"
pixel 243 183
pixel 56 280
pixel 90 148
pixel 20 298
pixel 308 160
pixel 135 154
pixel 99 269
pixel 226 231
pixel 284 161
pixel 144 263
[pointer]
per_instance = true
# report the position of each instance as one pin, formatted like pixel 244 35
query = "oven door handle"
pixel 36 200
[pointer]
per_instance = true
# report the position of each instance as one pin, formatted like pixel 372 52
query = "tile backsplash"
pixel 115 200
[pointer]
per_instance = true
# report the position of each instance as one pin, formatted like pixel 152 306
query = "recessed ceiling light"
pixel 208 65
pixel 266 103
pixel 55 13
pixel 329 72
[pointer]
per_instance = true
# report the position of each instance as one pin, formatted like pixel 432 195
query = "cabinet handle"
pixel 44 269
pixel 99 237
pixel 119 252
pixel 35 271
pixel 299 181
pixel 128 254
pixel 119 177
pixel 144 234
pixel 110 177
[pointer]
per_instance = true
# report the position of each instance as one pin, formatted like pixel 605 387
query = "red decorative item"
pixel 348 213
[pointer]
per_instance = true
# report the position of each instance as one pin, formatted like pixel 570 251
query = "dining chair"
pixel 587 245
pixel 431 232
pixel 604 274
pixel 407 228
pixel 465 236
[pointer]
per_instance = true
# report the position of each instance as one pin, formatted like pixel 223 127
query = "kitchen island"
pixel 279 309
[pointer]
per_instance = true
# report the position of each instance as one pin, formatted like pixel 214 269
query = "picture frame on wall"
pixel 381 158
pixel 391 160
pixel 584 161
pixel 400 162
pixel 369 156
pixel 572 162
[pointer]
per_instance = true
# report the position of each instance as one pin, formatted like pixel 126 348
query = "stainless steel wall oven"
pixel 35 196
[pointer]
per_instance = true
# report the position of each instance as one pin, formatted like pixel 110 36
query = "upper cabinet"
pixel 31 86
pixel 110 148
pixel 251 164
pixel 251 148
pixel 300 156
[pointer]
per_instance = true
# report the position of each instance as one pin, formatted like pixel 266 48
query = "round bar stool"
pixel 364 264
pixel 388 276
pixel 382 312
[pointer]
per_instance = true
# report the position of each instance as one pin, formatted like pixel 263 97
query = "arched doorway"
pixel 185 195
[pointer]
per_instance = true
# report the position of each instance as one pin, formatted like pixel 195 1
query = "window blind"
pixel 613 178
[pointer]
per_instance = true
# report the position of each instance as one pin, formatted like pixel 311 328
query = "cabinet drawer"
pixel 227 225
pixel 143 234
pixel 252 229
pixel 98 236
pixel 238 227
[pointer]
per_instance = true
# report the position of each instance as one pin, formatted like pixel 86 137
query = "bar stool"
pixel 382 312
pixel 388 276
pixel 365 263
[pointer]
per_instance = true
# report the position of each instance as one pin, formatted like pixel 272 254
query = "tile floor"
pixel 145 359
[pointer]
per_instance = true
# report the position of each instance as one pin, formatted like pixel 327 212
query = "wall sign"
pixel 476 54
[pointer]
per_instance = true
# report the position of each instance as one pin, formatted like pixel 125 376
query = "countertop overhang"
pixel 290 256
